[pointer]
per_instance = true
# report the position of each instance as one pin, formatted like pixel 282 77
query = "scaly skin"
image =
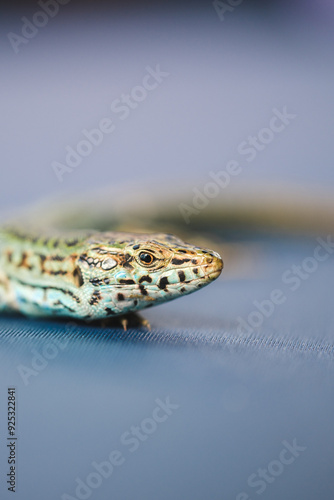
pixel 98 275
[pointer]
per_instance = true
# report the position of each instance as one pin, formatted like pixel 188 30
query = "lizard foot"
pixel 126 321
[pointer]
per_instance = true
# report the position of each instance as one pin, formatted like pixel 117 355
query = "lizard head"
pixel 134 271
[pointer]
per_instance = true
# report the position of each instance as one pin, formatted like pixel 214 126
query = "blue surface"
pixel 239 396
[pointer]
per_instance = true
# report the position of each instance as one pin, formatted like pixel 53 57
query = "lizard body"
pixel 98 275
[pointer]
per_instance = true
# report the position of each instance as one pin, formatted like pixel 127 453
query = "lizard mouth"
pixel 213 274
pixel 212 267
pixel 209 273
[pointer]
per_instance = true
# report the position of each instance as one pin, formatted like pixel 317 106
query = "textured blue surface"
pixel 239 396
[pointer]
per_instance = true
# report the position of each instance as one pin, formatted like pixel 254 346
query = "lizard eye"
pixel 146 258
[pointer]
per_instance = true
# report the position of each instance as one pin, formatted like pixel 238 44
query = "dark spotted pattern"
pixel 142 289
pixel 109 311
pixel 58 273
pixel 125 281
pixel 71 243
pixel 146 278
pixel 96 281
pixel 95 298
pixel 182 276
pixel 77 275
pixel 57 258
pixel 163 283
pixel 24 262
pixel 178 262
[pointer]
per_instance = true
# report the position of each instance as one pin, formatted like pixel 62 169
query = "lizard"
pixel 92 275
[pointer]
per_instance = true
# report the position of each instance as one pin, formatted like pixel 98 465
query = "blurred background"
pixel 213 120
pixel 224 71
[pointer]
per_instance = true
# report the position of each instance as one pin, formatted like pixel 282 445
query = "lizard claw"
pixel 124 322
pixel 145 323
